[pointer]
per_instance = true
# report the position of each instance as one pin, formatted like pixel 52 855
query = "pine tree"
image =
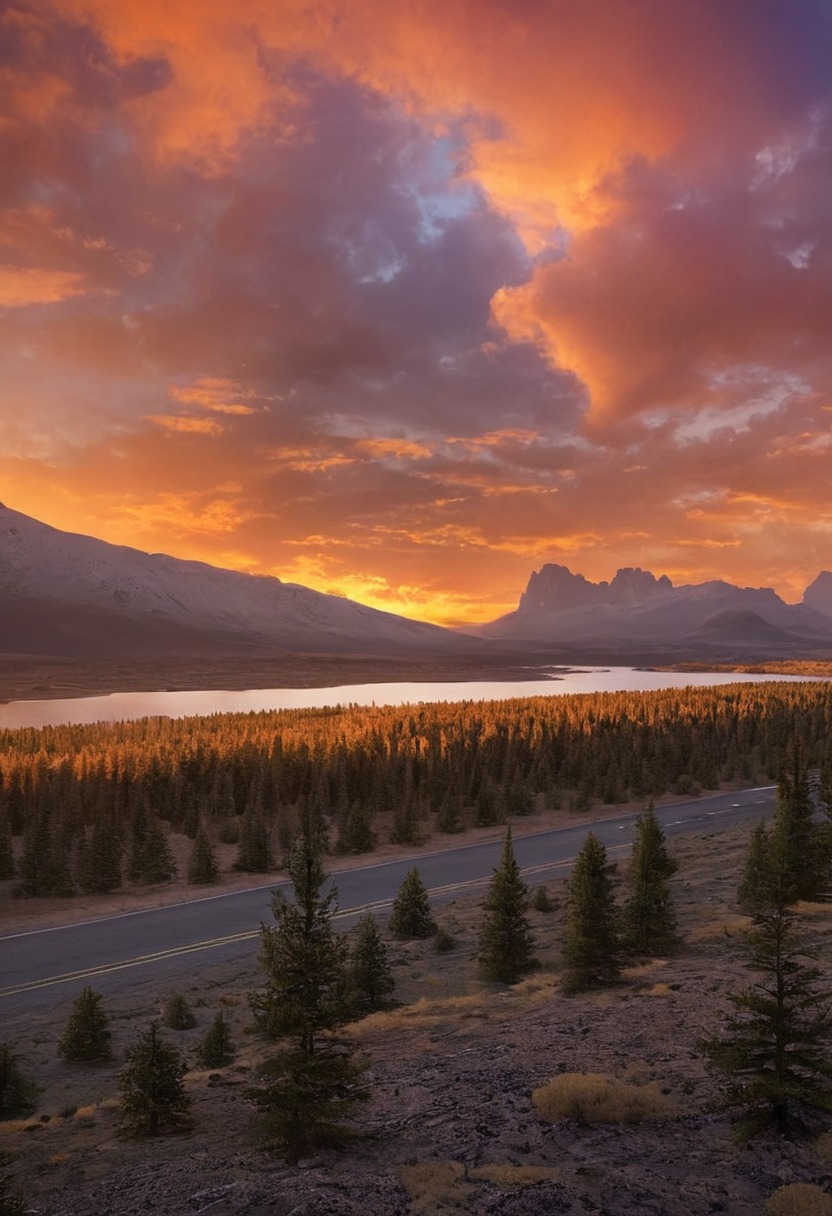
pixel 86 1036
pixel 776 1049
pixel 410 915
pixel 17 1093
pixel 202 868
pixel 150 1085
pixel 311 1086
pixel 506 948
pixel 254 855
pixel 7 866
pixel 305 1099
pixel 649 921
pixel 759 878
pixel 800 847
pixel 216 1047
pixel 591 945
pixel 157 862
pixel 98 867
pixel 371 978
pixel 177 1013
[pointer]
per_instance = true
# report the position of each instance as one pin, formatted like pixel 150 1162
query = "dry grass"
pixel 659 990
pixel 507 1177
pixel 591 1097
pixel 823 1148
pixel 435 1186
pixel 799 1199
pixel 728 925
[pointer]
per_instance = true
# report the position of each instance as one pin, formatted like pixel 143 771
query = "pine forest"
pixel 92 806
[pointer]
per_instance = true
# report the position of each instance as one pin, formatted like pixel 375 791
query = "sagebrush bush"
pixel 799 1199
pixel 590 1097
pixel 435 1186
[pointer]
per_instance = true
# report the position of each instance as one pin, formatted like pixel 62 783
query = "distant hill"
pixel 637 611
pixel 68 595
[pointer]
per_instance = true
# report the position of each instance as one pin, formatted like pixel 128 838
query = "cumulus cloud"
pixel 441 291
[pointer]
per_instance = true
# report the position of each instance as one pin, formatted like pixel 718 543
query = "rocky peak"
pixel 554 587
pixel 818 595
pixel 632 585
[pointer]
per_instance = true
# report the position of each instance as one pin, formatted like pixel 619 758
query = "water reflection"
pixel 126 706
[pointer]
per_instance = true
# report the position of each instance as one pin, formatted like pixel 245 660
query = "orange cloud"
pixel 185 424
pixel 21 286
pixel 215 394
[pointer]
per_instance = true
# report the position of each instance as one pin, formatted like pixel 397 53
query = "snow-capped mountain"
pixel 637 609
pixel 66 594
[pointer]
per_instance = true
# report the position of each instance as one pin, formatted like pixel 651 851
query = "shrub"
pixel 799 1199
pixel 216 1047
pixel 435 1186
pixel 541 900
pixel 177 1013
pixel 86 1036
pixel 593 1098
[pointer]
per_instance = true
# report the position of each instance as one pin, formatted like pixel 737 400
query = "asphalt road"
pixel 44 967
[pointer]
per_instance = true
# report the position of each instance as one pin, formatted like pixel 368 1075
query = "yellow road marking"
pixel 215 942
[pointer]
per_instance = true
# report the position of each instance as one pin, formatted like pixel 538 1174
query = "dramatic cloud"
pixel 401 301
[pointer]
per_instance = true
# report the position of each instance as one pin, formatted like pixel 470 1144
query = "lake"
pixel 127 706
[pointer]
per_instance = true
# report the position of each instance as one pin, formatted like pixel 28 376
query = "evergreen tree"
pixel 98 866
pixel 371 978
pixel 17 1093
pixel 151 858
pixel 306 1097
pixel 157 862
pixel 649 921
pixel 86 1036
pixel 800 847
pixel 216 1047
pixel 410 915
pixel 776 1048
pixel 758 884
pixel 312 1085
pixel 150 1085
pixel 506 948
pixel 202 868
pixel 591 945
pixel 355 834
pixel 177 1013
pixel 254 854
pixel 7 866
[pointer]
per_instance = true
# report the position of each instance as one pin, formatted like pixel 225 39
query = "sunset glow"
pixel 402 301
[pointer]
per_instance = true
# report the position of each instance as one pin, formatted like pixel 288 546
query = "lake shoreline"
pixel 35 678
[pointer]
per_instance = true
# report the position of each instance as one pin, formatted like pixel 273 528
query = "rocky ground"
pixel 451 1126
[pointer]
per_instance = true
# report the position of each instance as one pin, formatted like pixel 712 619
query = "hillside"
pixel 67 595
pixel 451 1127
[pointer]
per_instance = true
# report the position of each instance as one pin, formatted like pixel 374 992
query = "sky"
pixel 400 300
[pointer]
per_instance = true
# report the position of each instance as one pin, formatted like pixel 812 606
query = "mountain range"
pixel 637 609
pixel 73 596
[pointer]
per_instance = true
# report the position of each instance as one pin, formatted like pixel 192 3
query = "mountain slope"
pixel 71 595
